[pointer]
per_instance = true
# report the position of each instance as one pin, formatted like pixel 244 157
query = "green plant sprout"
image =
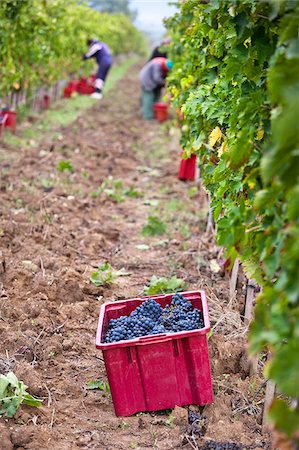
pixel 164 285
pixel 154 227
pixel 115 190
pixel 132 192
pixel 106 275
pixel 98 384
pixel 13 393
pixel 65 166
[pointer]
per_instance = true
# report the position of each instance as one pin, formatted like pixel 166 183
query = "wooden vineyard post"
pixel 234 279
pixel 33 101
pixel 249 302
pixel 14 101
pixel 269 397
pixel 210 222
pixel 55 96
pixel 210 227
pixel 197 173
pixel 248 313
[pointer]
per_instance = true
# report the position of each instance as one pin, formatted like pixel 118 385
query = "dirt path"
pixel 56 227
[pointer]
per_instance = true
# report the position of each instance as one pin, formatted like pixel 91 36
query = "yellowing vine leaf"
pixel 260 134
pixel 215 136
pixel 247 42
pixel 222 149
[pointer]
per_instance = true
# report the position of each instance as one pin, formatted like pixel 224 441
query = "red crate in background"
pixel 46 101
pixel 8 119
pixel 85 87
pixel 161 111
pixel 156 372
pixel 70 88
pixel 187 169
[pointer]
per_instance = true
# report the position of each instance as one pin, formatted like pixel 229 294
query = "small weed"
pixel 192 192
pixel 46 183
pixel 133 445
pixel 52 355
pixel 170 421
pixel 174 205
pixel 210 333
pixel 85 174
pixel 115 190
pixel 95 194
pixel 185 246
pixel 106 275
pixel 165 189
pixel 164 285
pixel 154 227
pixel 65 166
pixel 12 393
pixel 98 384
pixel 185 230
pixel 19 203
pixel 48 218
pixel 123 425
pixel 132 192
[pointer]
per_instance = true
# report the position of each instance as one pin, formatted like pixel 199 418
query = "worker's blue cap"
pixel 169 64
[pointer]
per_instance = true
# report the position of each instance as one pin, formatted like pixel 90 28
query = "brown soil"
pixel 54 233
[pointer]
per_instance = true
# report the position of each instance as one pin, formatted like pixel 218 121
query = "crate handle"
pixel 117 307
pixel 155 337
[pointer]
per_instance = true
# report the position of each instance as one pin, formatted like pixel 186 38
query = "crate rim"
pixel 151 339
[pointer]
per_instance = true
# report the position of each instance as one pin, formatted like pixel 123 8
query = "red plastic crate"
pixel 45 102
pixel 187 168
pixel 84 87
pixel 8 119
pixel 156 372
pixel 70 88
pixel 161 111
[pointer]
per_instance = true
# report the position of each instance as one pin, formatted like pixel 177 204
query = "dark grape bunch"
pixel 150 318
pixel 213 445
pixel 197 423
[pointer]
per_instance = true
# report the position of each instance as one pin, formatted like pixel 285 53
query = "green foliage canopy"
pixel 236 80
pixel 42 42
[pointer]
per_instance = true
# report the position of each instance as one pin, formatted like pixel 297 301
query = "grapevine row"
pixel 42 42
pixel 236 80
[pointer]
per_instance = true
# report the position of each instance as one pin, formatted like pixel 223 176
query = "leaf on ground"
pixel 151 202
pixel 142 247
pixel 214 266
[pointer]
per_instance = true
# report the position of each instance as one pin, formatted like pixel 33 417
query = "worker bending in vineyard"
pixel 152 78
pixel 101 52
pixel 160 50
